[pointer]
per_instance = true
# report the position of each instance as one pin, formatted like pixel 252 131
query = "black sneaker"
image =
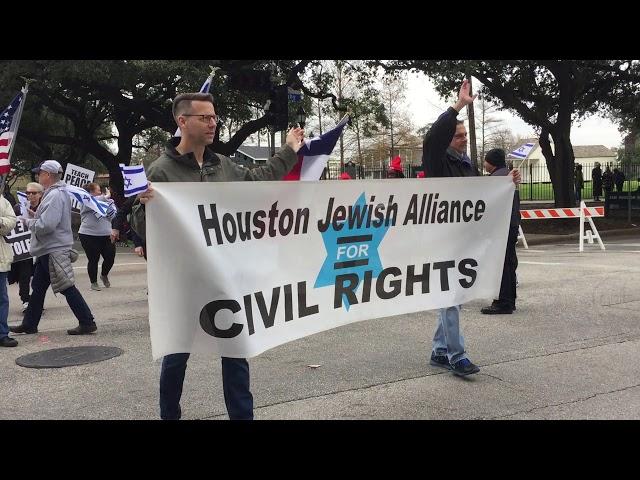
pixel 496 310
pixel 464 367
pixel 83 330
pixel 22 329
pixel 8 342
pixel 440 361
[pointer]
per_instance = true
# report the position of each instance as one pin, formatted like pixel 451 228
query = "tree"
pixel 393 94
pixel 368 117
pixel 547 94
pixel 486 124
pixel 97 108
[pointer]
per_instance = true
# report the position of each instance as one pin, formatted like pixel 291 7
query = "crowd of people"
pixel 189 158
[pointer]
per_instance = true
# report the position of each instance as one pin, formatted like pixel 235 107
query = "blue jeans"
pixel 448 340
pixel 235 384
pixel 40 284
pixel 4 305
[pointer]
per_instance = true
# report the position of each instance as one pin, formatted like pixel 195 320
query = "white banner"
pixel 239 268
pixel 77 177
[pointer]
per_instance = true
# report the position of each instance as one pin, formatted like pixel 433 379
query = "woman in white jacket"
pixel 7 222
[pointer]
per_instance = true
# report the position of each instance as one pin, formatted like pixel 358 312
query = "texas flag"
pixel 314 154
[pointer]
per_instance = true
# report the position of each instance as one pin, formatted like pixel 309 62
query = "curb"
pixel 545 239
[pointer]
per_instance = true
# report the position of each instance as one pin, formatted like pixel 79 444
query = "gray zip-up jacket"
pixel 173 167
pixel 51 227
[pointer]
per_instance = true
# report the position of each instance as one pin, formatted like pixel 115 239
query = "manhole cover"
pixel 68 356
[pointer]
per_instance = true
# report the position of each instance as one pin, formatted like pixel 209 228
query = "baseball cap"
pixel 50 166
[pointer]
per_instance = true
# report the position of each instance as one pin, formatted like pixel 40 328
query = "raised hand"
pixel 295 139
pixel 464 97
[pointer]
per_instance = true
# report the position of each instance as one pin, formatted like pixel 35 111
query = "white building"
pixel 586 155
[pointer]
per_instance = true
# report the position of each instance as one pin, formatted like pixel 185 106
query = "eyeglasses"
pixel 205 118
pixel 32 193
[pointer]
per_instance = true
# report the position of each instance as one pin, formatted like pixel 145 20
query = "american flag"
pixel 8 126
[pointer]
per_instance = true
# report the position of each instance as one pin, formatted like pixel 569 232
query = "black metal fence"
pixel 360 172
pixel 536 184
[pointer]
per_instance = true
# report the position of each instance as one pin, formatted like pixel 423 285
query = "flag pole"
pixel 16 120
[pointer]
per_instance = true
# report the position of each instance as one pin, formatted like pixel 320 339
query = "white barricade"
pixel 583 212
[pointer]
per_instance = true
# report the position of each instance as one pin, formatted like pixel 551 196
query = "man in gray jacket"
pixel 51 242
pixel 189 159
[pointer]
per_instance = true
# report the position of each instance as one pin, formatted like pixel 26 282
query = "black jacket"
pixel 119 220
pixel 515 208
pixel 436 161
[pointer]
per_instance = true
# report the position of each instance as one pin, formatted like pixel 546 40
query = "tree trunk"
pixel 560 164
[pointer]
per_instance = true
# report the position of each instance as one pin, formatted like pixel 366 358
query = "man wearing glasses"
pixel 51 242
pixel 444 154
pixel 188 159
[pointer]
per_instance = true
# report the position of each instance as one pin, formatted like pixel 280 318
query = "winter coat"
pixel 438 160
pixel 51 227
pixel 61 271
pixel 174 167
pixel 7 222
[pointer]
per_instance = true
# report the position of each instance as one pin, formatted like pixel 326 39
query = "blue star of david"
pixel 127 182
pixel 351 251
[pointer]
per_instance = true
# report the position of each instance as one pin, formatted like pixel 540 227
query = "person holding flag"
pixel 444 154
pixel 188 158
pixel 314 154
pixel 7 222
pixel 51 244
pixel 22 271
pixel 95 237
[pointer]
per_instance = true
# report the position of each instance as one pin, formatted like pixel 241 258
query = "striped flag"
pixel 314 154
pixel 135 180
pixel 523 151
pixel 101 208
pixel 9 120
pixel 204 89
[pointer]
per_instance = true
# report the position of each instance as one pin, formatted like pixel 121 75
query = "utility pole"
pixel 472 128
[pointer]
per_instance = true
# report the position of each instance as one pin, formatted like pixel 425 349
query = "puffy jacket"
pixel 61 271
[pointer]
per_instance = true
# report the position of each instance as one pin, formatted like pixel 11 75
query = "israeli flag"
pixel 523 151
pixel 24 203
pixel 101 207
pixel 135 180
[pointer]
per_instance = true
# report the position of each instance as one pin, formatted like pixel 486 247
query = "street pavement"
pixel 570 351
